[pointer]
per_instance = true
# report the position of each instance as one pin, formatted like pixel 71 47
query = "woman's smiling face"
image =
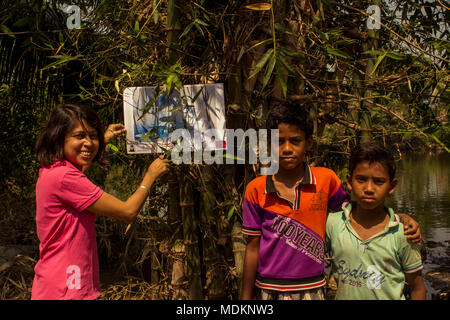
pixel 81 144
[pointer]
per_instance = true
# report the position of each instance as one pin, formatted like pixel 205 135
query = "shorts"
pixel 312 294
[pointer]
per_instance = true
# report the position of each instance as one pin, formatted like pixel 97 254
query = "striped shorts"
pixel 311 294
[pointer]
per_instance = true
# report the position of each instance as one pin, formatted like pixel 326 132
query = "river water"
pixel 423 192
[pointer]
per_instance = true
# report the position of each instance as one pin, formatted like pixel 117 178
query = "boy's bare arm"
pixel 250 267
pixel 416 284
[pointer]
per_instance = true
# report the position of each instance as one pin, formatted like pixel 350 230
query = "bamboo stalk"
pixel 178 282
pixel 211 257
pixel 190 231
pixel 173 36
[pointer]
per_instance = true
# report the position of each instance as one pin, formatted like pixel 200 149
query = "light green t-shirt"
pixel 371 269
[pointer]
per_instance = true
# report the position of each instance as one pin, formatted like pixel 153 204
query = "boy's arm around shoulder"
pixel 411 227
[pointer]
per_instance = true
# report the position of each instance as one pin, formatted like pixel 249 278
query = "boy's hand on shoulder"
pixel 412 228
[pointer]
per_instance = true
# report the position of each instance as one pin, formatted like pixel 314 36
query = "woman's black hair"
pixel 50 145
pixel 290 113
pixel 372 152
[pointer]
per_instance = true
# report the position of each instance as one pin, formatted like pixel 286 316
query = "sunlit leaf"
pixel 230 212
pixel 261 43
pixel 260 6
pixel 229 156
pixel 198 21
pixel 113 147
pixel 380 58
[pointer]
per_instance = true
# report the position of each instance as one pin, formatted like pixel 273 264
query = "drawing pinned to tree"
pixel 150 116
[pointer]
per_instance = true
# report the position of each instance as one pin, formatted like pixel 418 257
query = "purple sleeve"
pixel 338 197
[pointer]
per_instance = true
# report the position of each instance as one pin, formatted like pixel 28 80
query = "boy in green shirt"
pixel 371 256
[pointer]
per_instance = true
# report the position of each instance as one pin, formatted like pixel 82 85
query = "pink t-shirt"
pixel 68 262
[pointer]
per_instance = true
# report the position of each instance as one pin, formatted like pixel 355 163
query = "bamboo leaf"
pixel 261 43
pixel 113 147
pixel 199 28
pixel 198 21
pixel 396 56
pixel 260 6
pixel 62 59
pixel 281 28
pixel 440 143
pixel 290 53
pixel 344 41
pixel 287 65
pixel 282 77
pixel 5 29
pixel 156 7
pixel 230 212
pixel 169 82
pixel 389 54
pixel 197 94
pixel 380 59
pixel 373 52
pixel 229 156
pixel 337 52
pixel 261 63
pixel 269 70
pixel 187 29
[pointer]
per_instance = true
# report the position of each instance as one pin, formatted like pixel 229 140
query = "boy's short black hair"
pixel 290 113
pixel 50 145
pixel 372 152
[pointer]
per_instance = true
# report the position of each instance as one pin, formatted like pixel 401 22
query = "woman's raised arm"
pixel 110 206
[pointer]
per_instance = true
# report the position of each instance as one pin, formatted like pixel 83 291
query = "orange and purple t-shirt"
pixel 291 253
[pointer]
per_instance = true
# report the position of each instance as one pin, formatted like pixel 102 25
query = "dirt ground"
pixel 17 263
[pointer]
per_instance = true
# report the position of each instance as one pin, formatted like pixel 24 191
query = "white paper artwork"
pixel 150 120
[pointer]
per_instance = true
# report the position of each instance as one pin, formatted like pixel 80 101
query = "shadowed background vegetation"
pixel 388 84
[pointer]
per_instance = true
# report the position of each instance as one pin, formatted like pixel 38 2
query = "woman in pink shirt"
pixel 67 203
